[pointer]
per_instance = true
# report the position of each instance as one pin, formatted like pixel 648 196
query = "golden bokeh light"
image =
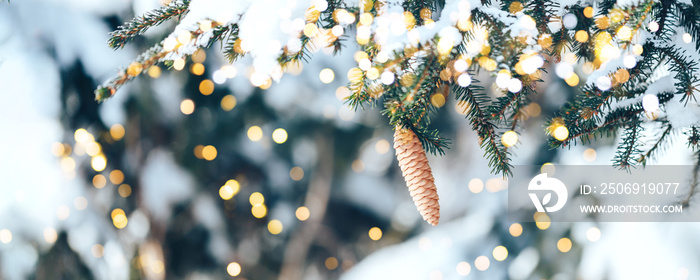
pixel 275 227
pixel 206 87
pixel 97 250
pixel 197 69
pixel 382 146
pixel 560 133
pixel 302 213
pixel 342 93
pixel 229 190
pixel 581 36
pixel 331 263
pixel 509 138
pixel 198 151
pixel 154 71
pixel 589 155
pixel 564 245
pixel 296 173
pixel 119 218
pixel 50 235
pixel 375 233
pixel 437 100
pixel 515 229
pixel 326 75
pixel 542 221
pixel 83 136
pixel 209 152
pixel 624 33
pixel 67 164
pixel 500 253
pixel 179 64
pixel 588 12
pixel 572 80
pixel 58 149
pixel 256 199
pixel 200 55
pixel 279 135
pixel 259 211
pixel 99 181
pixel 187 106
pixel 93 148
pixel 124 190
pixel 228 102
pixel 255 133
pixel 358 165
pixel 233 269
pixel 116 176
pixel 117 132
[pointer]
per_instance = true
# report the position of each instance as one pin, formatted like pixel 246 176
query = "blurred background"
pixel 193 173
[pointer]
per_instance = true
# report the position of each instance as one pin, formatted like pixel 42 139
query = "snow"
pixel 164 183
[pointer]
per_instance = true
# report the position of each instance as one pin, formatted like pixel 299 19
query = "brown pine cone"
pixel 417 173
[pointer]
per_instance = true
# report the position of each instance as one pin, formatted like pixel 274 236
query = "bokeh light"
pixel 233 269
pixel 482 263
pixel 375 233
pixel 275 227
pixel 302 213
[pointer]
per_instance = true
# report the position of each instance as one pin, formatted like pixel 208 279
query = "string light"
pixel 209 152
pixel 476 185
pixel 275 227
pixel 255 133
pixel 296 173
pixel 233 269
pixel 326 75
pixel 593 234
pixel 482 263
pixel 279 135
pixel 463 268
pixel 509 138
pixel 515 229
pixel 331 263
pixel 564 245
pixel 5 236
pixel 302 213
pixel 187 106
pixel 375 233
pixel 500 253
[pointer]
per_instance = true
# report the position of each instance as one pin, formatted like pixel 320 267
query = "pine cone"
pixel 417 173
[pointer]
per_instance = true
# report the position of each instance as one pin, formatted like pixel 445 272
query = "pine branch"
pixel 613 120
pixel 694 138
pixel 140 24
pixel 685 72
pixel 486 130
pixel 660 144
pixel 689 18
pixel 694 182
pixel 629 148
pixel 145 60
